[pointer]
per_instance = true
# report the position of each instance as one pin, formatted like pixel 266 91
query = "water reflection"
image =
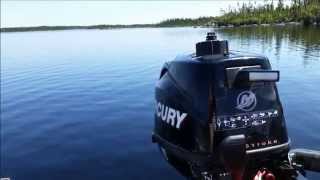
pixel 278 39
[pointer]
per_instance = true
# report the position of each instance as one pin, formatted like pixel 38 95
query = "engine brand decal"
pixel 246 101
pixel 245 120
pixel 169 115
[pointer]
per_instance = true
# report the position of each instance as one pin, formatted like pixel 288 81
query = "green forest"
pixel 306 12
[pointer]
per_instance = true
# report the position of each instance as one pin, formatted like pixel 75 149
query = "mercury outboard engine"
pixel 218 116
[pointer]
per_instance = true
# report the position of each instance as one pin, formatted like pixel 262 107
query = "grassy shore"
pixel 304 12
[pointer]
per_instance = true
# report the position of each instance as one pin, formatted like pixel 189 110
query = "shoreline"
pixel 63 28
pixel 293 23
pixel 108 27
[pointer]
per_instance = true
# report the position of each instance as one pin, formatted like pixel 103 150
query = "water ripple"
pixel 79 104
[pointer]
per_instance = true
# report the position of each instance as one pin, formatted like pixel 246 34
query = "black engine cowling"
pixel 202 99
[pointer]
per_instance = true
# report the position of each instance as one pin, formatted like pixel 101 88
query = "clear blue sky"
pixel 50 13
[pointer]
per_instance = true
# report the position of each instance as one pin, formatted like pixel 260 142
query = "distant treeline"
pixel 201 21
pixel 54 28
pixel 305 11
pixel 302 11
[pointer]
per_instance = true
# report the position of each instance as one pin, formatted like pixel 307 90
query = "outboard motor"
pixel 218 115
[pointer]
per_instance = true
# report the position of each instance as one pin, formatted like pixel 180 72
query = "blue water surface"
pixel 79 104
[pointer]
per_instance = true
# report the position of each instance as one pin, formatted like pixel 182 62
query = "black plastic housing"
pixel 199 87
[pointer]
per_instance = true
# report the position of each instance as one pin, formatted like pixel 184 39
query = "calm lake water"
pixel 79 104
